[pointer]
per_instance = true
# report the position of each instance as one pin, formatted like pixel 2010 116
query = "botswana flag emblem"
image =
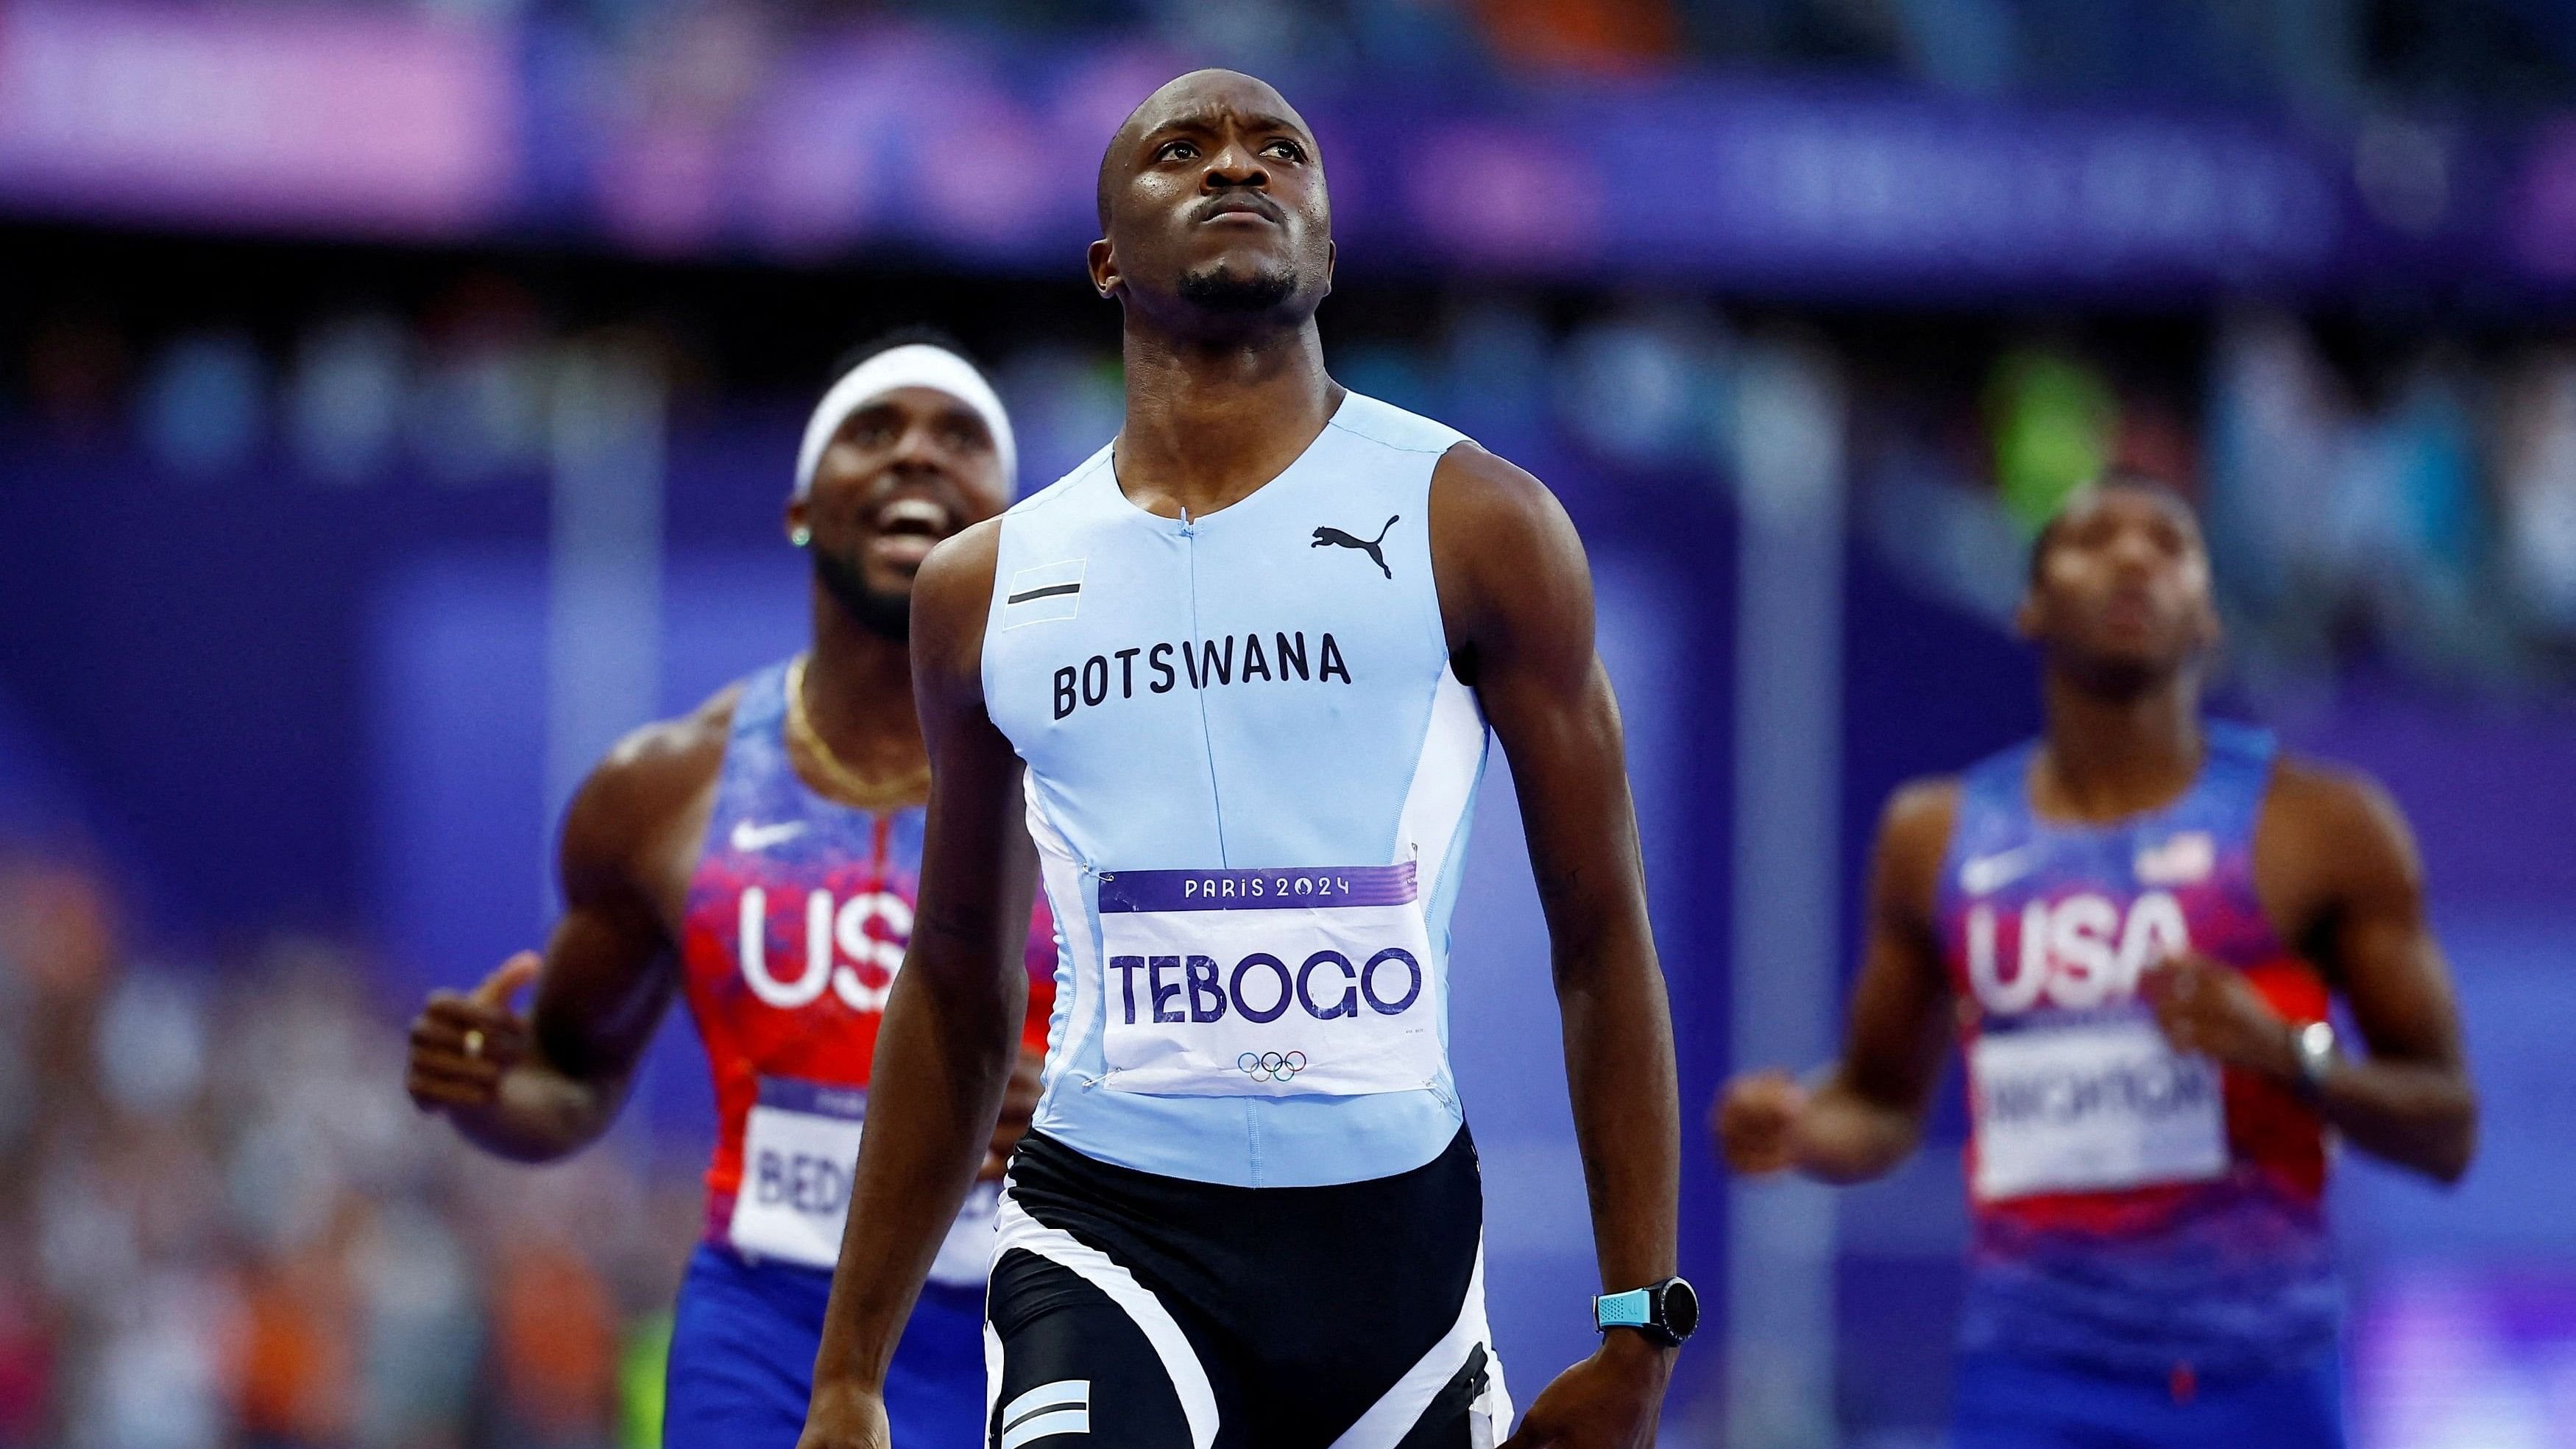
pixel 1047 592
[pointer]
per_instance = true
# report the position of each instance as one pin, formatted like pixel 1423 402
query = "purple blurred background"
pixel 396 401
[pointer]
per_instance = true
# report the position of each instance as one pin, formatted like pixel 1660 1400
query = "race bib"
pixel 2091 1108
pixel 798 1151
pixel 1265 983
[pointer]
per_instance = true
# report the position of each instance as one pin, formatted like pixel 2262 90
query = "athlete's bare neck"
pixel 858 692
pixel 2110 753
pixel 1212 418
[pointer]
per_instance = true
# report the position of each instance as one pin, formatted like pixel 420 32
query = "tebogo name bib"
pixel 799 1148
pixel 1315 980
pixel 2090 1107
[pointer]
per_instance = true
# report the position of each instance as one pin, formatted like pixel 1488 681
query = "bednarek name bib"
pixel 2090 1107
pixel 1268 982
pixel 799 1150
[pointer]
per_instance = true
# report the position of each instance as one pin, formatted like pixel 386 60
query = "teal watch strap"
pixel 1632 1309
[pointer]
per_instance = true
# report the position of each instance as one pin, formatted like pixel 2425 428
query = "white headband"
pixel 915 364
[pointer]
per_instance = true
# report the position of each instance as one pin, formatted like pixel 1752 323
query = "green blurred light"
pixel 2053 421
pixel 641 1367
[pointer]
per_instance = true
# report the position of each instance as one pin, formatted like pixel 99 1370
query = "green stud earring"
pixel 800 535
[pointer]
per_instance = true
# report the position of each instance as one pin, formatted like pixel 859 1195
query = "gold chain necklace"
pixel 847 785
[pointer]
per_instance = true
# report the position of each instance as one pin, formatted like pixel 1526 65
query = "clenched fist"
pixel 1755 1122
pixel 462 1043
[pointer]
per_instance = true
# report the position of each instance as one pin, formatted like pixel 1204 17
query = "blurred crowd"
pixel 222 1225
pixel 2409 507
pixel 2402 501
pixel 2318 57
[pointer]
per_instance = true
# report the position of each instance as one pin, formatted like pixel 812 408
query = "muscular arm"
pixel 952 1022
pixel 1865 1114
pixel 1516 593
pixel 2408 1099
pixel 545 1086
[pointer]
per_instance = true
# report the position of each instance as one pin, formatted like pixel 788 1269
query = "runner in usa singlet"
pixel 2134 1208
pixel 797 920
pixel 2106 917
pixel 759 856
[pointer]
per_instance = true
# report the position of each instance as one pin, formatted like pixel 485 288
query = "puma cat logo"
pixel 1369 546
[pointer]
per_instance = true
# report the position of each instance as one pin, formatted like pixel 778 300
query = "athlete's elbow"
pixel 2445 1163
pixel 2455 1145
pixel 2441 1142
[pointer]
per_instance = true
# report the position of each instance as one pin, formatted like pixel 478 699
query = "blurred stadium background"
pixel 397 398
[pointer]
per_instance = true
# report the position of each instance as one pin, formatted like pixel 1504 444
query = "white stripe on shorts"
pixel 1400 1407
pixel 1062 1407
pixel 1014 1228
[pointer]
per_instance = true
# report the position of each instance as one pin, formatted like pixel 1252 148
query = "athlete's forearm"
pixel 2414 1114
pixel 1843 1137
pixel 540 1113
pixel 943 1057
pixel 1627 1105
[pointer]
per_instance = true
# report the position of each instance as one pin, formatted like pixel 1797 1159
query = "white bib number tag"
pixel 1265 983
pixel 2090 1108
pixel 798 1151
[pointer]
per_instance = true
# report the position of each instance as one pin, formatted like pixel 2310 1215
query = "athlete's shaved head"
pixel 1195 89
pixel 1212 194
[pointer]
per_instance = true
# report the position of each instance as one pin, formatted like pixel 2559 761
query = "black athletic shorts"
pixel 1151 1312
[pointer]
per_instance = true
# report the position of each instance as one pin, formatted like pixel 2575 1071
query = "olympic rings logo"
pixel 1270 1066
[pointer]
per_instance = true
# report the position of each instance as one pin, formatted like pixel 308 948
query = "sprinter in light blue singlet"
pixel 1234 676
pixel 1250 777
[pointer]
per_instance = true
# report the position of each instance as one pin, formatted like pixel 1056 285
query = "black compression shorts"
pixel 1151 1312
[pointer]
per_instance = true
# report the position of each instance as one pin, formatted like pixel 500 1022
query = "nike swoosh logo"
pixel 1992 872
pixel 747 836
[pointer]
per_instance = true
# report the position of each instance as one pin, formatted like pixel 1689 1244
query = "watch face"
pixel 1681 1308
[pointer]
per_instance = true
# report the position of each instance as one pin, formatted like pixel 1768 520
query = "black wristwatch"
pixel 1667 1312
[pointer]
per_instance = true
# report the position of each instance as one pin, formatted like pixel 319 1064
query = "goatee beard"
pixel 1217 290
pixel 886 615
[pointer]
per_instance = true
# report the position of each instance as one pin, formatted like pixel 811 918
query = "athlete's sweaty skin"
pixel 1217 246
pixel 2119 605
pixel 547 1083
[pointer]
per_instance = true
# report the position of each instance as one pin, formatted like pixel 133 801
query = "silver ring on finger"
pixel 474 1043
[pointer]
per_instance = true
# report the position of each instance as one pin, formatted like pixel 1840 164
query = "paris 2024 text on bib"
pixel 1268 982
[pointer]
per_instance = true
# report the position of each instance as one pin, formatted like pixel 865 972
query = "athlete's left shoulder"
pixel 1505 555
pixel 2310 785
pixel 2336 811
pixel 1475 492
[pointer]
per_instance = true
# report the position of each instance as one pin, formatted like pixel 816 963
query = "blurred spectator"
pixel 1642 385
pixel 556 1341
pixel 478 412
pixel 221 1226
pixel 1593 36
pixel 345 402
pixel 75 375
pixel 202 402
pixel 2536 472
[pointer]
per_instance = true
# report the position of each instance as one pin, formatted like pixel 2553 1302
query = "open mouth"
pixel 2130 611
pixel 908 528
